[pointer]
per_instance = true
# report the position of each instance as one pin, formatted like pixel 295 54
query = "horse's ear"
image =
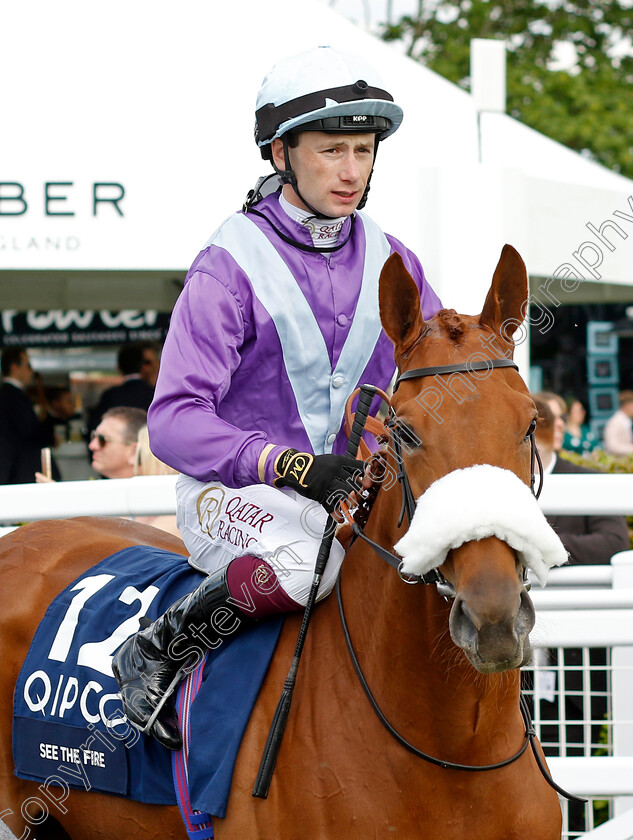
pixel 504 308
pixel 399 300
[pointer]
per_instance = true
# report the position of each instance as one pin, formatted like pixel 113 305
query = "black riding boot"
pixel 146 663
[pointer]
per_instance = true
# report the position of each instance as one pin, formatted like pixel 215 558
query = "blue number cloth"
pixel 69 730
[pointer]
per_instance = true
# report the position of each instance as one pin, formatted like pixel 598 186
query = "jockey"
pixel 277 324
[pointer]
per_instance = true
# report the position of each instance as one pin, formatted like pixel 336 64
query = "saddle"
pixel 68 722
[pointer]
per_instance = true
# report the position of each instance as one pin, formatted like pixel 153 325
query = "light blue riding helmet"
pixel 323 89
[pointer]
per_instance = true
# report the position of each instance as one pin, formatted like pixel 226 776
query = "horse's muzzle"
pixel 493 643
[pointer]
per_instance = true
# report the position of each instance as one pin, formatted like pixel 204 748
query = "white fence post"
pixel 622 683
pixel 620 828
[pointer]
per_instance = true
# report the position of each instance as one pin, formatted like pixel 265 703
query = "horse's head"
pixel 465 435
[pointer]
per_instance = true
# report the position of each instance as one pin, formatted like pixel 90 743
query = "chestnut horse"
pixel 445 673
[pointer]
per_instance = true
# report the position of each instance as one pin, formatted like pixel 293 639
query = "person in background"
pixel 558 407
pixel 566 690
pixel 114 442
pixel 115 431
pixel 578 436
pixel 60 409
pixel 146 463
pixel 618 433
pixel 590 540
pixel 22 434
pixel 151 362
pixel 135 390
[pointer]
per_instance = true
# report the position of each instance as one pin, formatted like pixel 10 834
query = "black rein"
pixel 444 588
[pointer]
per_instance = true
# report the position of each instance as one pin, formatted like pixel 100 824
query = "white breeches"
pixel 220 523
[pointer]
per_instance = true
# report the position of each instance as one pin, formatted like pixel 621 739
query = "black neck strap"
pixel 301 245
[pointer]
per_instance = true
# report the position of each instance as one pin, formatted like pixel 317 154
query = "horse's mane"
pixel 452 324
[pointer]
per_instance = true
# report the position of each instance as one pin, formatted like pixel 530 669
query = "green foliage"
pixel 600 460
pixel 588 108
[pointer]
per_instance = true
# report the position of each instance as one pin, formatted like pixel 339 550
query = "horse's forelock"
pixel 452 324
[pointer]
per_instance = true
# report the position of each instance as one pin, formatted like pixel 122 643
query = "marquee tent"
pixel 128 139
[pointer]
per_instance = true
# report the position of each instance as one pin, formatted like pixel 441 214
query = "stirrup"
pixel 157 710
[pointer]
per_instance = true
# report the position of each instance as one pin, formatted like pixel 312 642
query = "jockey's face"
pixel 112 455
pixel 332 170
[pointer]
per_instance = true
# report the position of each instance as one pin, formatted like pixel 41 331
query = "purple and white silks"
pixel 263 347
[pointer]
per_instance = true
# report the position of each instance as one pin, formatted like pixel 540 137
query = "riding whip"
pixel 278 725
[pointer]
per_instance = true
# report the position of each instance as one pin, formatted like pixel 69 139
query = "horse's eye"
pixel 407 436
pixel 531 429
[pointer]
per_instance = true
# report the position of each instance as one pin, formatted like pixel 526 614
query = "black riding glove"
pixel 327 479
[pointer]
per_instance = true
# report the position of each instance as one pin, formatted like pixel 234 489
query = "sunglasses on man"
pixel 102 440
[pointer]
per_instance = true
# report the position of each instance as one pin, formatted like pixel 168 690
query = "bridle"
pixel 444 587
pixel 392 424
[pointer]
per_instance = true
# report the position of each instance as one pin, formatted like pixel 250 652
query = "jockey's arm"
pixel 200 356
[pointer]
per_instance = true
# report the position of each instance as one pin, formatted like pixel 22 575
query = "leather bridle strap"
pixel 530 733
pixel 408 499
pixel 462 367
pixel 444 588
pixel 433 576
pixel 535 458
pixel 447 765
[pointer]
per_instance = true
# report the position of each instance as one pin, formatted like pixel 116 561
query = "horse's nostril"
pixel 526 615
pixel 461 625
pixel 498 642
pixel 468 614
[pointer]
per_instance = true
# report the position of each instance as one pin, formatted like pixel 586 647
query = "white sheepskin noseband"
pixel 474 503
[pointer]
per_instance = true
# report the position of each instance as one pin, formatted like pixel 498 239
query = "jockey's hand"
pixel 328 479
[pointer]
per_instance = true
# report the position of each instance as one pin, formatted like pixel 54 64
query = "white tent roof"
pixel 514 144
pixel 158 98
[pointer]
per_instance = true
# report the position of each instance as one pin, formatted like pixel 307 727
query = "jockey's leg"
pixel 216 612
pixel 281 527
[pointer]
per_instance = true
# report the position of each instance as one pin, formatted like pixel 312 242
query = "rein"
pixel 444 587
pixel 530 732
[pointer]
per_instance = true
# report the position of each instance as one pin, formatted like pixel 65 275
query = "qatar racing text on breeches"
pixel 219 523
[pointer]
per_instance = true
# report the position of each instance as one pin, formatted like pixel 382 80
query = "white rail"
pixel 583 607
pixel 139 496
pixel 153 495
pixel 587 599
pixel 588 609
pixel 594 577
pixel 583 494
pixel 620 828
pixel 604 776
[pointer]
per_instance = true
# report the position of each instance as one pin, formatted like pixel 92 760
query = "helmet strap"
pixel 363 200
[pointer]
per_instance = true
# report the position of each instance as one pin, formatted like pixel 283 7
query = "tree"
pixel 588 107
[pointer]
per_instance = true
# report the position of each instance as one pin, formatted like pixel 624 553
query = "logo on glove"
pixel 293 464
